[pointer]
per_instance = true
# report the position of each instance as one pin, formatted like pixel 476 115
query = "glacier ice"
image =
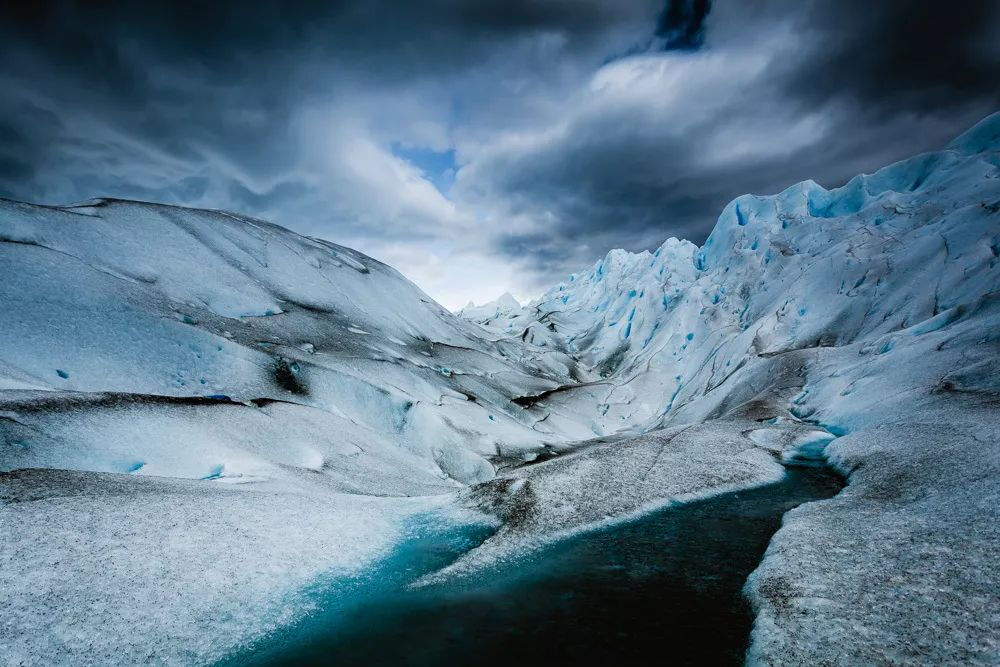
pixel 870 313
pixel 262 407
pixel 231 373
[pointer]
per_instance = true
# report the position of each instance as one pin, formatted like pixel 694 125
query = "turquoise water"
pixel 664 589
pixel 432 542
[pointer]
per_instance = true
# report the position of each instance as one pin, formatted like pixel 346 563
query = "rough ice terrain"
pixel 613 479
pixel 202 412
pixel 872 312
pixel 276 399
pixel 102 569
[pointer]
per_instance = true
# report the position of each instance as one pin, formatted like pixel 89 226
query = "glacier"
pixel 868 313
pixel 202 412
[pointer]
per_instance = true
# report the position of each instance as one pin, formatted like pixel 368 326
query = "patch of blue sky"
pixel 438 167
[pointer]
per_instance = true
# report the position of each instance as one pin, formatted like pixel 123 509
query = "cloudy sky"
pixel 481 146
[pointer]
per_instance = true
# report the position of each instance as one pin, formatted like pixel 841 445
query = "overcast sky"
pixel 481 146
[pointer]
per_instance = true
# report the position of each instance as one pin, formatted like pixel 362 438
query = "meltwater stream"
pixel 663 589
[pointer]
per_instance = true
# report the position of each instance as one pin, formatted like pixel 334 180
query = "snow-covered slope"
pixel 281 398
pixel 277 402
pixel 604 316
pixel 870 312
pixel 139 299
pixel 500 308
pixel 884 260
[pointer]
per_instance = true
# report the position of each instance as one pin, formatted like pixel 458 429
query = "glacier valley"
pixel 203 414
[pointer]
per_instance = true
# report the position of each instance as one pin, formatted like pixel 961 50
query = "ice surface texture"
pixel 872 312
pixel 200 412
pixel 142 299
pixel 218 410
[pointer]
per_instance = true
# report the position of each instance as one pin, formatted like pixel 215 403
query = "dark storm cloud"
pixel 111 45
pixel 86 36
pixel 878 81
pixel 329 117
pixel 681 24
pixel 93 88
pixel 899 56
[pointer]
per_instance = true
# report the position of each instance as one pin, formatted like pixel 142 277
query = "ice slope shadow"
pixel 664 589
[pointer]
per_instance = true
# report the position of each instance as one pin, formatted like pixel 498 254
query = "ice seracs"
pixel 203 364
pixel 870 312
pixel 504 306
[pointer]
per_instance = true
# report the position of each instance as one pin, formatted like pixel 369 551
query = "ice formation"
pixel 260 407
pixel 232 410
pixel 871 313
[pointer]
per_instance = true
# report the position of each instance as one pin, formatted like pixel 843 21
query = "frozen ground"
pixel 132 298
pixel 613 479
pixel 98 568
pixel 900 568
pixel 200 413
pixel 871 311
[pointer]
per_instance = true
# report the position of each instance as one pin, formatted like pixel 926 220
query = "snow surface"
pixel 201 412
pixel 504 306
pixel 128 569
pixel 872 312
pixel 154 300
pixel 297 393
pixel 614 479
pixel 900 568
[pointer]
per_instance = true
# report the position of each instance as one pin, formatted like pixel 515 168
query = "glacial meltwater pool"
pixel 663 589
